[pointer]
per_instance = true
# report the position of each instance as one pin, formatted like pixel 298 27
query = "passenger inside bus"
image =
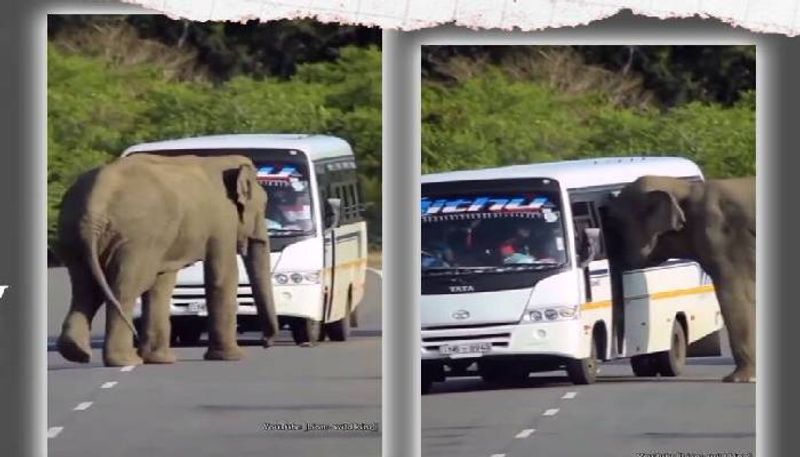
pixel 494 241
pixel 288 208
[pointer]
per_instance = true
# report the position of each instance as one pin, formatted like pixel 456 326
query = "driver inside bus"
pixel 288 209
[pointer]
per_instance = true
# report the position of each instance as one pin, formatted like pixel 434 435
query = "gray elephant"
pixel 127 228
pixel 712 223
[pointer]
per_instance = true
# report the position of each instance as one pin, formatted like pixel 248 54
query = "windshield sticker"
pixel 550 215
pixel 484 205
pixel 559 243
pixel 274 175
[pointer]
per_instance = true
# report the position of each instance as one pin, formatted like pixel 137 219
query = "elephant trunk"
pixel 259 271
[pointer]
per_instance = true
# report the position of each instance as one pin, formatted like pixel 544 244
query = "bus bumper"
pixel 555 340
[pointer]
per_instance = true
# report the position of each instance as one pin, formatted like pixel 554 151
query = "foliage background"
pixel 117 81
pixel 114 81
pixel 498 105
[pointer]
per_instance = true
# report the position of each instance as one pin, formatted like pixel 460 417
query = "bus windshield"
pixel 493 231
pixel 289 209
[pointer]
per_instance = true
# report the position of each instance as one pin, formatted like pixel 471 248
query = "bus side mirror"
pixel 589 246
pixel 333 210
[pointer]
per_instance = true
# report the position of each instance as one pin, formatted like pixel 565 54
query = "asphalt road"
pixel 243 408
pixel 619 416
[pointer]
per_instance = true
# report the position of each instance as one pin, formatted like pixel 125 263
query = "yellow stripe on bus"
pixel 656 296
pixel 351 264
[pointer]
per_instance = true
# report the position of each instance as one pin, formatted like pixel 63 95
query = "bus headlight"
pixel 551 314
pixel 296 278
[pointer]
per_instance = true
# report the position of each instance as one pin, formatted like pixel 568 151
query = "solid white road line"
pixel 569 395
pixel 498 455
pixel 551 412
pixel 83 406
pixel 525 433
pixel 127 368
pixel 108 385
pixel 53 432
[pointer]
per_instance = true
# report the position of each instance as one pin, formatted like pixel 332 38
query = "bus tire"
pixel 305 332
pixel 188 332
pixel 644 365
pixel 584 371
pixel 340 330
pixel 426 382
pixel 670 363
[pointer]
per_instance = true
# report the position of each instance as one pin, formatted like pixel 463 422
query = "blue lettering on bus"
pixel 482 203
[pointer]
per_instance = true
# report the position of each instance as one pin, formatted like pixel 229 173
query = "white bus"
pixel 505 290
pixel 318 236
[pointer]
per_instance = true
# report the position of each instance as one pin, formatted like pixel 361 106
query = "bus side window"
pixel 585 215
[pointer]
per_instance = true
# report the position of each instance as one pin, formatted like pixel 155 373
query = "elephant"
pixel 713 223
pixel 126 229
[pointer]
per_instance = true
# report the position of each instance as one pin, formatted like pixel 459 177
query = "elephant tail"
pixel 100 277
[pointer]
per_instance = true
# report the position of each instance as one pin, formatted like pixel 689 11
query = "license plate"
pixel 463 350
pixel 197 308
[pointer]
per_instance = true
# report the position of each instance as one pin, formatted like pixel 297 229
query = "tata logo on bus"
pixel 272 173
pixel 483 204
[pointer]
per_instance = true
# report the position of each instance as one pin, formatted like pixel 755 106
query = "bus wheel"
pixel 340 330
pixel 644 365
pixel 188 332
pixel 305 332
pixel 584 371
pixel 671 363
pixel 426 382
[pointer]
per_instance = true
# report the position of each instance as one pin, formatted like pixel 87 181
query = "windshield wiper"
pixel 491 269
pixel 286 232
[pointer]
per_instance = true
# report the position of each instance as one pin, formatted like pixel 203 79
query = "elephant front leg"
pixel 221 282
pixel 73 343
pixel 737 304
pixel 155 347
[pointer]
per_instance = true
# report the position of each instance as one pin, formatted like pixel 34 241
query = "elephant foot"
pixel 234 353
pixel 121 360
pixel 165 355
pixel 740 375
pixel 74 350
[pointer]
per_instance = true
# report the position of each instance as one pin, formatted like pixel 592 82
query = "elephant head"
pixel 253 245
pixel 647 216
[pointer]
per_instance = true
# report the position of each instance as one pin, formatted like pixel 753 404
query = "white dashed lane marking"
pixel 108 385
pixel 83 406
pixel 53 432
pixel 569 395
pixel 127 368
pixel 525 433
pixel 498 455
pixel 550 412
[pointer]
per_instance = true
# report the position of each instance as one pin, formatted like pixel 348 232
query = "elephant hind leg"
pixel 131 275
pixel 73 344
pixel 154 347
pixel 738 312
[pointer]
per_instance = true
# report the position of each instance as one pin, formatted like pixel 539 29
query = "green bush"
pixel 491 120
pixel 96 109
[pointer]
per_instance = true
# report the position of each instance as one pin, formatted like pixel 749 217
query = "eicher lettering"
pixel 482 204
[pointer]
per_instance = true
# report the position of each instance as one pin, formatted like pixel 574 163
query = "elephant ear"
pixel 245 176
pixel 664 210
pixel 251 208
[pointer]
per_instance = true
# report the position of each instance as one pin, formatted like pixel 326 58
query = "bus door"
pixel 328 239
pixel 596 275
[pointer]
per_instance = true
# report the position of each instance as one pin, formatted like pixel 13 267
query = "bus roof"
pixel 317 147
pixel 580 173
